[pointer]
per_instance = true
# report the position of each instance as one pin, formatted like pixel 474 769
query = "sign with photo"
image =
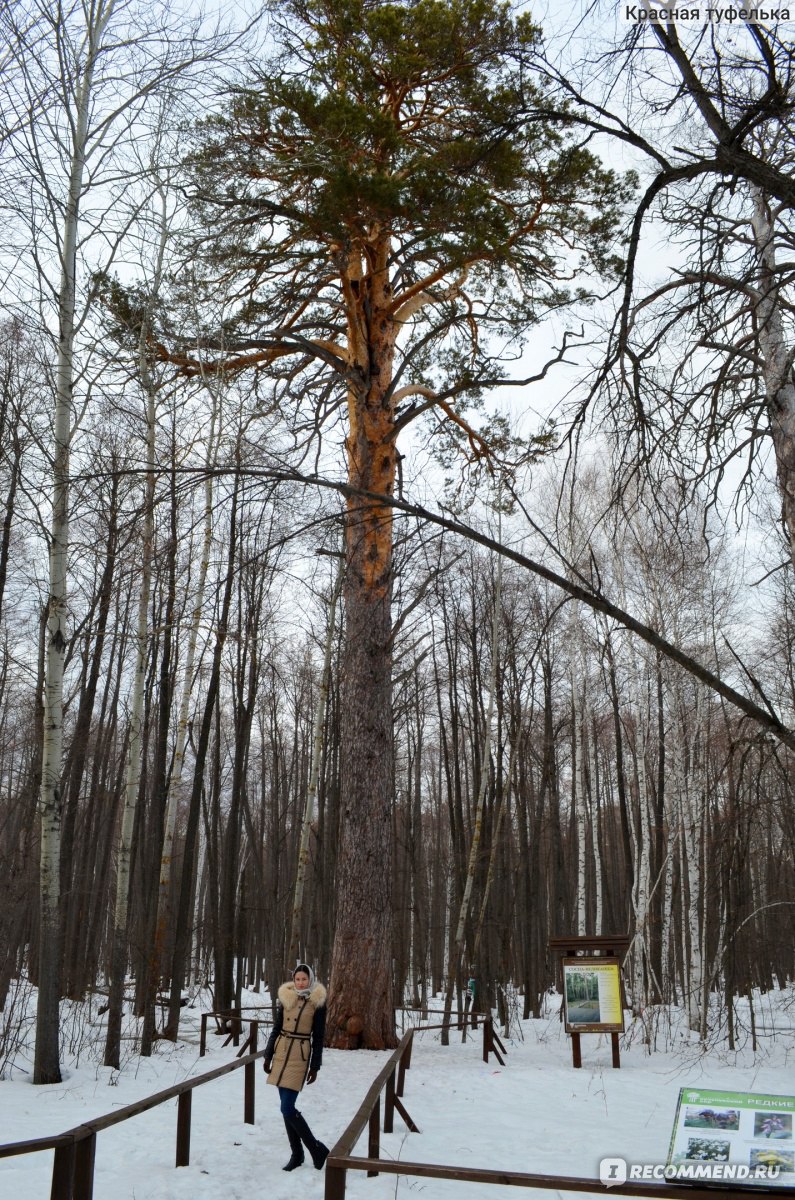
pixel 742 1128
pixel 592 995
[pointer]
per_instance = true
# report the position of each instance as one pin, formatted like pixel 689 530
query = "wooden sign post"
pixel 591 986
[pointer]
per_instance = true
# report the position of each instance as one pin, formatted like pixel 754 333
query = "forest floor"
pixel 535 1114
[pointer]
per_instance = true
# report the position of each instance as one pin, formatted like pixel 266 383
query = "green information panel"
pixel 740 1136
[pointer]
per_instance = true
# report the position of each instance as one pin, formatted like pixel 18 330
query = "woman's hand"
pixel 311 1077
pixel 266 1065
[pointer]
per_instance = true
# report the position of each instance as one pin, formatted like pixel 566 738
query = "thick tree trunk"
pixel 360 1007
pixel 360 1000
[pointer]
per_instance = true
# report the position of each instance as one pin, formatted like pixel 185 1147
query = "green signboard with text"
pixel 750 1131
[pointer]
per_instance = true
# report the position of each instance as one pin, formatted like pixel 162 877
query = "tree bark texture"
pixel 362 954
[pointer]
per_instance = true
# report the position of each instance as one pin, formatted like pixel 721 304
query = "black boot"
pixel 297 1155
pixel 317 1151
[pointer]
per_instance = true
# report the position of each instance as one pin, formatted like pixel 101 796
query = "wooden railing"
pixel 341 1158
pixel 462 1020
pixel 491 1041
pixel 75 1150
pixel 230 1022
pixel 338 1164
pixel 390 1080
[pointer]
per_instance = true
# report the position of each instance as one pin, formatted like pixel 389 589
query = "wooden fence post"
pixel 249 1089
pixel 615 1049
pixel 85 1154
pixel 183 1128
pixel 389 1104
pixel 336 1179
pixel 405 1063
pixel 374 1140
pixel 203 1036
pixel 63 1170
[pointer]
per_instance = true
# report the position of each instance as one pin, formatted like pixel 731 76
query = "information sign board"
pixel 746 1129
pixel 592 995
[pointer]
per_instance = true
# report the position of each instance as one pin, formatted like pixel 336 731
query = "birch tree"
pixel 78 82
pixel 59 52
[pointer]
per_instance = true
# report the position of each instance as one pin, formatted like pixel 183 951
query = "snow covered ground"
pixel 534 1114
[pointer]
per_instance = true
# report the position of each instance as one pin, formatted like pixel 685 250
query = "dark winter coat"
pixel 295 1045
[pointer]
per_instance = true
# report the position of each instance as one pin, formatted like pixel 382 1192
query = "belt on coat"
pixel 301 1037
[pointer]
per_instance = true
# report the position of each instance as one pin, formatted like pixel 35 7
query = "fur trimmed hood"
pixel 288 996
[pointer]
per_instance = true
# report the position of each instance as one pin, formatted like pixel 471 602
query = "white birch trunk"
pixel 46 1067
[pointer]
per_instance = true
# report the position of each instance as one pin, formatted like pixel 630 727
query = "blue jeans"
pixel 287 1098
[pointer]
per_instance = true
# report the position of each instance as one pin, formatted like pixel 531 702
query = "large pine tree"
pixel 394 214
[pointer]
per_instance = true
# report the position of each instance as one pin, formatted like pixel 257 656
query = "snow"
pixel 535 1114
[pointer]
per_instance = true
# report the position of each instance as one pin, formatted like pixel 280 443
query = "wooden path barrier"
pixel 230 1022
pixel 75 1150
pixel 390 1080
pixel 491 1042
pixel 460 1020
pixel 341 1158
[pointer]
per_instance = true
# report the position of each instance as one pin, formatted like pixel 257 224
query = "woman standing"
pixel 293 1057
